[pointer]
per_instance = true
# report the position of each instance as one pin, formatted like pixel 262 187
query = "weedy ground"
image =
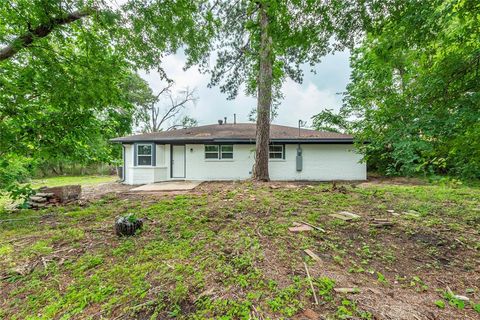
pixel 224 251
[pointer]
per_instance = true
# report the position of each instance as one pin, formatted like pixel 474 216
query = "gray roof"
pixel 238 133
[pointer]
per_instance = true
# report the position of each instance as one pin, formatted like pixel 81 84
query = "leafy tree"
pixel 261 43
pixel 327 120
pixel 67 80
pixel 414 91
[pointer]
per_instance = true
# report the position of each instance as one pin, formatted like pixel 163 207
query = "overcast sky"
pixel 302 101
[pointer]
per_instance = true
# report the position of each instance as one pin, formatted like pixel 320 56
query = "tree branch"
pixel 40 31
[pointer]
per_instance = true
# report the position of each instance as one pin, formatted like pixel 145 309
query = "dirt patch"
pixel 93 192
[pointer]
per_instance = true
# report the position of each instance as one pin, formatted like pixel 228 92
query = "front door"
pixel 178 161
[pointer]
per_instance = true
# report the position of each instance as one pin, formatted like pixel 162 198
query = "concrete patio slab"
pixel 168 186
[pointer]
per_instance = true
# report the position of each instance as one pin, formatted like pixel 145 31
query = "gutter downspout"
pixel 124 164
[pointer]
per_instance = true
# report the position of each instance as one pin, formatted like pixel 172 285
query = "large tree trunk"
pixel 264 100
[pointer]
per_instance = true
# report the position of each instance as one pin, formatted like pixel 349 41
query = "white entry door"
pixel 178 161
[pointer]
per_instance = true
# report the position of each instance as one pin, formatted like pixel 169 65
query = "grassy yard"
pixel 225 252
pixel 66 180
pixel 62 181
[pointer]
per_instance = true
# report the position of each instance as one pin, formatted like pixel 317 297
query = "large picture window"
pixel 144 154
pixel 276 151
pixel 219 152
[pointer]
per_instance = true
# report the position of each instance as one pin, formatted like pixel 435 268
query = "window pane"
pixel 275 148
pixel 211 148
pixel 227 155
pixel 275 155
pixel 144 160
pixel 227 148
pixel 211 155
pixel 276 151
pixel 144 149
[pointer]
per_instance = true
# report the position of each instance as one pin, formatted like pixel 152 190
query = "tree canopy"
pixel 259 44
pixel 414 90
pixel 67 71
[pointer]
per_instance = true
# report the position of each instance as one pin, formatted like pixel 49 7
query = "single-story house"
pixel 227 152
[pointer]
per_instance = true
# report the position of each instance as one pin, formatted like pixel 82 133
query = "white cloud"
pixel 302 101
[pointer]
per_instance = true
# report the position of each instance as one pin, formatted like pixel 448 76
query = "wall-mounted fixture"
pixel 299 158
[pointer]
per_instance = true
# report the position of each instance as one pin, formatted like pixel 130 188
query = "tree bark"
pixel 40 31
pixel 264 99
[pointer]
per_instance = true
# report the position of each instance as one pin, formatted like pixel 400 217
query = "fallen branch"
pixel 312 255
pixel 311 283
pixel 314 227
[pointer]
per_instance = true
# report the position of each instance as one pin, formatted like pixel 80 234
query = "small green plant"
pixel 418 284
pixel 476 307
pixel 325 287
pixel 381 278
pixel 348 310
pixel 355 268
pixel 440 304
pixel 286 301
pixel 454 301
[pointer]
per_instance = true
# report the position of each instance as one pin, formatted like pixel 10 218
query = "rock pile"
pixel 41 200
pixel 51 196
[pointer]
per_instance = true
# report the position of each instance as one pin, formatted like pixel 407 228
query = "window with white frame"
pixel 226 152
pixel 211 151
pixel 218 152
pixel 144 154
pixel 276 151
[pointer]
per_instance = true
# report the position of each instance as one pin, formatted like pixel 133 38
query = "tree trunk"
pixel 264 100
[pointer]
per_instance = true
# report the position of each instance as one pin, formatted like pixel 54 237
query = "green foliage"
pixel 348 310
pixel 440 304
pixel 381 278
pixel 325 287
pixel 294 41
pixel 74 87
pixel 195 260
pixel 14 172
pixel 454 301
pixel 285 301
pixel 414 92
pixel 476 307
pixel 327 120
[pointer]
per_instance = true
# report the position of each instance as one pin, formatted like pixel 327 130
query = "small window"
pixel 219 151
pixel 144 154
pixel 276 152
pixel 227 152
pixel 211 152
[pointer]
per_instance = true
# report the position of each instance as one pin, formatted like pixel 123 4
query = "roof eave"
pixel 238 141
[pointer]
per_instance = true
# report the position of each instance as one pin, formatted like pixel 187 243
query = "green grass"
pixel 225 252
pixel 62 181
pixel 66 180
